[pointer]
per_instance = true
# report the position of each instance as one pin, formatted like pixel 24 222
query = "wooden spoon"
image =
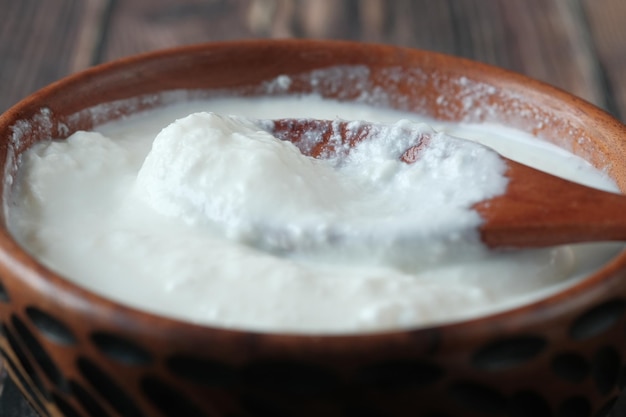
pixel 537 209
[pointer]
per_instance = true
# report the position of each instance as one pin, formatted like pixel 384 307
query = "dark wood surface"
pixel 577 45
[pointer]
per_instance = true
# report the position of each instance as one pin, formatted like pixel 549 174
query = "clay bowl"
pixel 74 353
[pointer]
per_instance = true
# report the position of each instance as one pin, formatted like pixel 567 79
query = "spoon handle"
pixel 539 210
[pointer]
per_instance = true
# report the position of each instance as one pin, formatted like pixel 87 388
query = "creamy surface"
pixel 359 204
pixel 207 219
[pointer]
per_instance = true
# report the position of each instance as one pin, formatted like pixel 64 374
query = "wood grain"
pixel 607 26
pixel 41 42
pixel 145 25
pixel 12 403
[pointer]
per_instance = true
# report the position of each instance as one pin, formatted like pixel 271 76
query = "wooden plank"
pixel 145 25
pixel 549 44
pixel 607 25
pixel 41 42
pixel 12 402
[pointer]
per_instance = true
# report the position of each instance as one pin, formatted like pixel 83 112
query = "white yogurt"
pixel 362 205
pixel 205 224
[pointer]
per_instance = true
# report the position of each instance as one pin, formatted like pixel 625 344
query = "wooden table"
pixel 577 45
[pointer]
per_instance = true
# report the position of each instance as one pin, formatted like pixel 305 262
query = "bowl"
pixel 75 353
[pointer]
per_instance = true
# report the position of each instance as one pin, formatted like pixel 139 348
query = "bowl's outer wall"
pixel 77 354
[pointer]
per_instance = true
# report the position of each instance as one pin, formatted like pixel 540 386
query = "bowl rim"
pixel 17 261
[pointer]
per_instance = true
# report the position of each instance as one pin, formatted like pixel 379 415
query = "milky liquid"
pixel 96 210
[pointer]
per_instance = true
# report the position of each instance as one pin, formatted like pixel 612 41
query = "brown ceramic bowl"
pixel 74 353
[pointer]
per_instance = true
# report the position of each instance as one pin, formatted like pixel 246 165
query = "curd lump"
pixel 189 213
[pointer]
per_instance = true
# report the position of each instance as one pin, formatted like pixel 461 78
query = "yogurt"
pixel 359 204
pixel 206 218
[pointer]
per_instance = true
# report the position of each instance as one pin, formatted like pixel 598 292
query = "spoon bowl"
pixel 536 210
